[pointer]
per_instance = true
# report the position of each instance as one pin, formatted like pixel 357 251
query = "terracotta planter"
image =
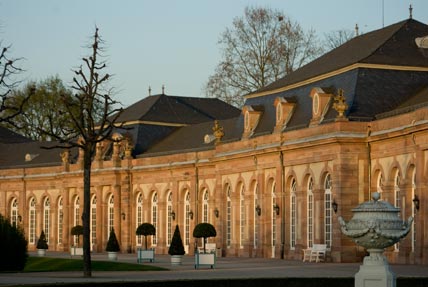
pixel 176 259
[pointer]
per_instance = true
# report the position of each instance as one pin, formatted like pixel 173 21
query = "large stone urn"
pixel 375 225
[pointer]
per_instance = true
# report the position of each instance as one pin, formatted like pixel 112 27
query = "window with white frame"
pixel 310 213
pixel 32 222
pixel 397 200
pixel 187 219
pixel 60 219
pixel 242 217
pixel 110 215
pixel 293 214
pixel 139 217
pixel 76 217
pixel 228 217
pixel 46 218
pixel 413 211
pixel 256 217
pixel 93 221
pixel 169 219
pixel 14 212
pixel 155 216
pixel 205 206
pixel 274 205
pixel 328 231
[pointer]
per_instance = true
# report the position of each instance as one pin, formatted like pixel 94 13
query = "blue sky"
pixel 160 42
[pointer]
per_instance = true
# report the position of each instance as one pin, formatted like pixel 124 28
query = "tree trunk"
pixel 87 162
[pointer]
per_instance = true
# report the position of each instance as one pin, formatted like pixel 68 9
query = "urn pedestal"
pixel 375 226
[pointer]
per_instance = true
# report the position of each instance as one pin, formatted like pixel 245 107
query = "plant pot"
pixel 41 252
pixel 112 256
pixel 176 259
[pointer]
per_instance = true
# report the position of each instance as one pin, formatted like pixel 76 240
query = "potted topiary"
pixel 145 229
pixel 112 247
pixel 205 230
pixel 76 231
pixel 176 249
pixel 42 244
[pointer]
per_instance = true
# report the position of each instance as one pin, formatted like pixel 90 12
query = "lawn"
pixel 46 264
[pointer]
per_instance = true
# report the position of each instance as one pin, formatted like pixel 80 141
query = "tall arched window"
pixel 32 222
pixel 242 216
pixel 293 214
pixel 169 219
pixel 310 220
pixel 77 220
pixel 187 219
pixel 328 231
pixel 273 224
pixel 46 217
pixel 205 206
pixel 155 216
pixel 413 210
pixel 397 200
pixel 60 219
pixel 256 217
pixel 139 217
pixel 228 217
pixel 14 212
pixel 110 215
pixel 93 221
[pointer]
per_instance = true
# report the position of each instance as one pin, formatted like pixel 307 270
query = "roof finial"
pixel 356 30
pixel 163 89
pixel 410 11
pixel 150 91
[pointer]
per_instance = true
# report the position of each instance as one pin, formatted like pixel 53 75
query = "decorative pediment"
pixel 284 110
pixel 252 115
pixel 320 103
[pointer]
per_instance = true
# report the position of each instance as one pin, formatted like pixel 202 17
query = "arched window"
pixel 155 216
pixel 110 214
pixel 228 217
pixel 242 216
pixel 273 224
pixel 310 211
pixel 293 214
pixel 256 217
pixel 77 220
pixel 397 200
pixel 187 219
pixel 46 217
pixel 93 221
pixel 413 210
pixel 328 231
pixel 60 219
pixel 14 212
pixel 139 216
pixel 205 206
pixel 32 222
pixel 169 217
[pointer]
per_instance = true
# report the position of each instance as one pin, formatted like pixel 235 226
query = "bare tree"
pixel 337 38
pixel 92 113
pixel 261 47
pixel 8 71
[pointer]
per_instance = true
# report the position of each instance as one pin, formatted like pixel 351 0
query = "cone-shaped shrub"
pixel 42 243
pixel 176 247
pixel 112 244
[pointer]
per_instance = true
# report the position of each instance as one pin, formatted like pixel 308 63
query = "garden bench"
pixel 316 253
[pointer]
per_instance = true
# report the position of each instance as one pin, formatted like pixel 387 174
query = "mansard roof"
pixel 392 45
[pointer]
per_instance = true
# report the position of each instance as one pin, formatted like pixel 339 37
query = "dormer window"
pixel 252 115
pixel 284 110
pixel 320 103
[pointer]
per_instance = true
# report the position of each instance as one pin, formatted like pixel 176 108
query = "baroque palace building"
pixel 272 178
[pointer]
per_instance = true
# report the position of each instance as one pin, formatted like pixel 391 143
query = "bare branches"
pixel 336 38
pixel 261 47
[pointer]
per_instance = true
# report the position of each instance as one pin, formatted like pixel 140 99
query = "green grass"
pixel 46 264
